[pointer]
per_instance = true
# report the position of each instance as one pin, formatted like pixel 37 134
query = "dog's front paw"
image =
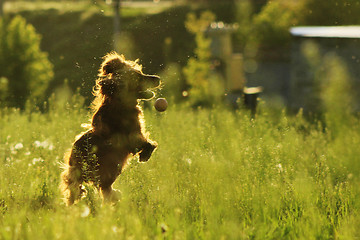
pixel 145 154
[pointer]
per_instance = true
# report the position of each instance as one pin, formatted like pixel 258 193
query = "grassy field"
pixel 216 175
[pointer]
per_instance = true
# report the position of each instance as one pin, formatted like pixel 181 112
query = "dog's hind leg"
pixel 71 185
pixel 110 195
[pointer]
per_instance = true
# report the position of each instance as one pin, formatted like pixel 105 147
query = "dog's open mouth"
pixel 146 95
pixel 150 83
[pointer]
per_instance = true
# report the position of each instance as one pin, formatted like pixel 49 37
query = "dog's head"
pixel 123 78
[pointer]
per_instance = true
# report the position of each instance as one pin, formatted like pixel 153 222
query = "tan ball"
pixel 161 104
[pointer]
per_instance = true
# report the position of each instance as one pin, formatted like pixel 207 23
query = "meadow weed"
pixel 217 174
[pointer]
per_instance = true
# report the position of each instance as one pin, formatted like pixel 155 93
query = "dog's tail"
pixel 70 182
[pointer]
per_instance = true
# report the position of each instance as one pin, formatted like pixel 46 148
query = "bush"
pixel 271 25
pixel 336 95
pixel 244 14
pixel 330 12
pixel 144 35
pixel 197 72
pixel 22 63
pixel 173 84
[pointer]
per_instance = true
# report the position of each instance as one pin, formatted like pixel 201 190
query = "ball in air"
pixel 161 104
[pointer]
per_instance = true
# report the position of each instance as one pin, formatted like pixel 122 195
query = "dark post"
pixel 251 99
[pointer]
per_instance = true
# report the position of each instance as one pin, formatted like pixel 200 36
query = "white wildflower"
pixel 279 167
pixel 45 144
pixel 18 146
pixel 36 160
pixel 51 147
pixel 114 229
pixel 37 144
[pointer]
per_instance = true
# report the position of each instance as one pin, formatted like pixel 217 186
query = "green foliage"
pixel 330 85
pixel 92 28
pixel 172 84
pixel 330 12
pixel 144 34
pixel 222 176
pixel 271 26
pixel 244 19
pixel 93 33
pixel 26 68
pixel 199 25
pixel 313 62
pixel 4 90
pixel 337 95
pixel 198 71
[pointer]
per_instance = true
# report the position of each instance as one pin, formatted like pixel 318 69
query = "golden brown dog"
pixel 117 129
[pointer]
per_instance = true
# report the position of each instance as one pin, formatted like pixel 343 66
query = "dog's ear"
pixel 111 66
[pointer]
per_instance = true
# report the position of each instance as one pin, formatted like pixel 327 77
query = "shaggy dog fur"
pixel 117 129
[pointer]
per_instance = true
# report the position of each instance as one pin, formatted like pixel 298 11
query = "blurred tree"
pixel 117 25
pixel 198 69
pixel 271 26
pixel 330 12
pixel 257 5
pixel 3 90
pixel 25 67
pixel 224 10
pixel 244 14
pixel 2 7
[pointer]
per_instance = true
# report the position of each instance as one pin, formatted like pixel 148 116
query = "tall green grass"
pixel 216 174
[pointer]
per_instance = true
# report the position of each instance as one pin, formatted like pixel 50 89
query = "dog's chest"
pixel 121 121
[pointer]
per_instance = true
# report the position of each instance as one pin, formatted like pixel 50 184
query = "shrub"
pixel 244 16
pixel 3 89
pixel 26 68
pixel 173 84
pixel 203 84
pixel 271 25
pixel 336 94
pixel 330 12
